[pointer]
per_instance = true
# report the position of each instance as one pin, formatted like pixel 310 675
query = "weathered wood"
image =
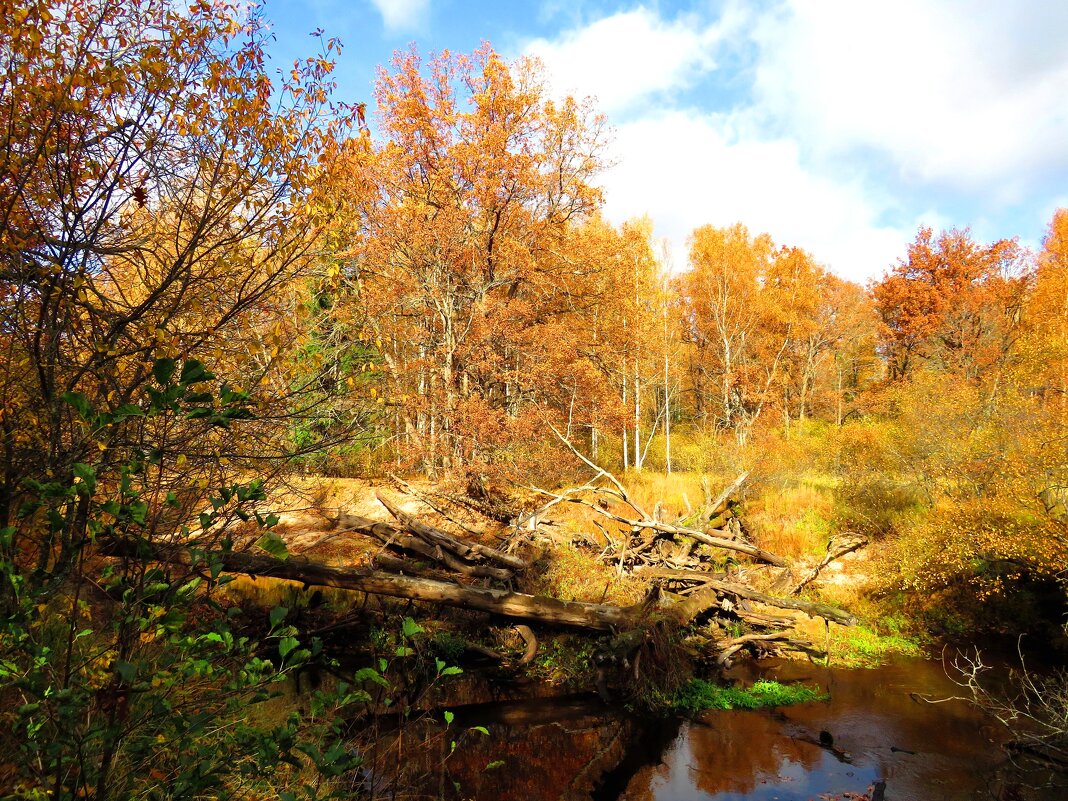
pixel 519 606
pixel 706 598
pixel 440 508
pixel 679 574
pixel 462 548
pixel 391 564
pixel 724 496
pixel 667 528
pixel 391 536
pixel 531 642
pixel 731 647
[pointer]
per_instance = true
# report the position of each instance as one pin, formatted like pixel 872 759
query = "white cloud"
pixel 959 93
pixel 684 171
pixel 624 58
pixel 402 15
pixel 939 99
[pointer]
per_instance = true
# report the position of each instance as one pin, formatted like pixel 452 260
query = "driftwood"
pixel 392 537
pixel 723 497
pixel 515 605
pixel 677 531
pixel 731 647
pixel 531 642
pixel 438 507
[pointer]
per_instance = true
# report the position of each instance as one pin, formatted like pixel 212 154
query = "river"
pixel 875 727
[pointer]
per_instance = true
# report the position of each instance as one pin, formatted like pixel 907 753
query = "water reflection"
pixel 882 729
pixel 876 726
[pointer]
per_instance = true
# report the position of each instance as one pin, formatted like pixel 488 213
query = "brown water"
pixel 882 730
pixel 580 749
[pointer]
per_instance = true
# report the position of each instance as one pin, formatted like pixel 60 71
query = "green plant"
pixel 698 695
pixel 126 678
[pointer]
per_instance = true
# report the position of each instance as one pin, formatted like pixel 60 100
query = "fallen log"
pixel 731 647
pixel 679 574
pixel 695 604
pixel 520 606
pixel 440 508
pixel 723 497
pixel 390 536
pixel 462 548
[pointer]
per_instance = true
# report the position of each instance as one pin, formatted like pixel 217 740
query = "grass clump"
pixel 699 695
pixel 860 646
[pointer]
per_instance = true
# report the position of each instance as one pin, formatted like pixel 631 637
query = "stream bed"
pixel 875 727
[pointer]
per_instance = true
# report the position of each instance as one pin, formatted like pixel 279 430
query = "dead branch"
pixel 844 543
pixel 705 599
pixel 465 550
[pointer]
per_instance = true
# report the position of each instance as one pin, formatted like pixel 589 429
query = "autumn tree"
pixel 463 254
pixel 951 304
pixel 750 314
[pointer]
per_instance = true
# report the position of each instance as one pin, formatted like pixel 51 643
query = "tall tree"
pixel 461 251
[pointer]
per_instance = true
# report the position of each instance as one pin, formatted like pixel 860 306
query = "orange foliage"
pixel 952 303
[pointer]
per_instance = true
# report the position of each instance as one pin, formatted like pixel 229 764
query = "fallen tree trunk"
pixel 392 536
pixel 731 647
pixel 462 548
pixel 597 617
pixel 714 590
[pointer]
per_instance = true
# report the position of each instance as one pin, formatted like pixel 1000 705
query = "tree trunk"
pixel 520 606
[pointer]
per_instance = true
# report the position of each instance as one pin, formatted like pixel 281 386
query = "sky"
pixel 838 126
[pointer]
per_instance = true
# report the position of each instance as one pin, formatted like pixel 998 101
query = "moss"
pixel 699 695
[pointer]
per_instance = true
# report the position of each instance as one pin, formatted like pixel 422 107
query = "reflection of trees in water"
pixel 559 761
pixel 727 752
pixel 735 751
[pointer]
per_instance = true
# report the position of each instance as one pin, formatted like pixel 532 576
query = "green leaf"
pixel 410 628
pixel 286 645
pixel 163 370
pixel 126 671
pixel 404 650
pixel 452 670
pixel 274 545
pixel 194 372
pixel 370 674
pixel 481 729
pixel 449 717
pixel 278 614
pixel 87 475
pixel 497 763
pixel 138 511
pixel 80 403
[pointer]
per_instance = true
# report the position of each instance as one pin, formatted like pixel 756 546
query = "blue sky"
pixel 839 126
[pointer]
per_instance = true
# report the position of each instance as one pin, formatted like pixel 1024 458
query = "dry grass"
pixel 574 574
pixel 679 493
pixel 792 521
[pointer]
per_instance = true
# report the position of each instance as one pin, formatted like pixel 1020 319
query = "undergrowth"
pixel 699 695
